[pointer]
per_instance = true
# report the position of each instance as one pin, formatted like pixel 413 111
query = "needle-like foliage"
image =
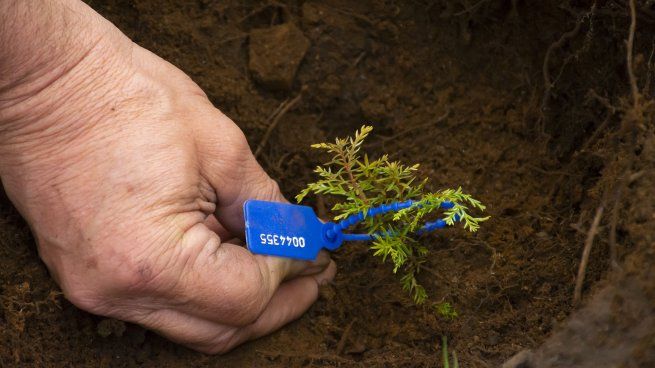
pixel 363 183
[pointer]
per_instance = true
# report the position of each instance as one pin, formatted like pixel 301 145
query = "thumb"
pixel 231 169
pixel 229 166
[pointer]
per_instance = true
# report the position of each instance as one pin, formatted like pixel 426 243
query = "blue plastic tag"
pixel 285 230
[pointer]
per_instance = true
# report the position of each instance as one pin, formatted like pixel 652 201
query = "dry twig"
pixel 277 115
pixel 344 337
pixel 304 356
pixel 428 124
pixel 470 8
pixel 579 280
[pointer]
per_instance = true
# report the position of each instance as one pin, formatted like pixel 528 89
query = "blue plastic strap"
pixel 428 227
pixel 294 231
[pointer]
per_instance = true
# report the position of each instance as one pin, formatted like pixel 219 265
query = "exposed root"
pixel 649 71
pixel 260 9
pixel 602 100
pixel 629 57
pixel 594 136
pixel 614 263
pixel 549 82
pixel 545 69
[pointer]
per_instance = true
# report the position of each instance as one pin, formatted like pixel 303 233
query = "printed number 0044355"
pixel 274 239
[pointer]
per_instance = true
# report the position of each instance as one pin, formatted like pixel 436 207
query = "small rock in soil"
pixel 111 326
pixel 493 338
pixel 313 12
pixel 327 292
pixel 387 30
pixel 275 54
pixel 520 360
pixel 357 348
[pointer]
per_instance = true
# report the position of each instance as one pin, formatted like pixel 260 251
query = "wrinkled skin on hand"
pixel 133 185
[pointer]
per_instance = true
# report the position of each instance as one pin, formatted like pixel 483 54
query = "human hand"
pixel 133 185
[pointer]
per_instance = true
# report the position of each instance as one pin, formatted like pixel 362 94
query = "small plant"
pixel 446 310
pixel 363 183
pixel 444 354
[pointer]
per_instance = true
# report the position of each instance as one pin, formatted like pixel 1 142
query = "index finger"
pixel 227 284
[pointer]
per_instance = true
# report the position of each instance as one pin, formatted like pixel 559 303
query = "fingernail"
pixel 313 270
pixel 322 259
pixel 327 275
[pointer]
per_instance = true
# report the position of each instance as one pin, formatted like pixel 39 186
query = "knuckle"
pixel 271 188
pixel 142 277
pixel 232 137
pixel 249 296
pixel 109 285
pixel 267 189
pixel 89 299
pixel 220 344
pixel 252 302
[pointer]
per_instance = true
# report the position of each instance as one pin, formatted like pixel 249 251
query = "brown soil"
pixel 459 89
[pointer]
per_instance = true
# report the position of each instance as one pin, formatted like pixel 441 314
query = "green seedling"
pixel 444 354
pixel 362 183
pixel 446 310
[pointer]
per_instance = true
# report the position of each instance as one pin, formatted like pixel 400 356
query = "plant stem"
pixel 444 351
pixel 401 190
pixel 351 177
